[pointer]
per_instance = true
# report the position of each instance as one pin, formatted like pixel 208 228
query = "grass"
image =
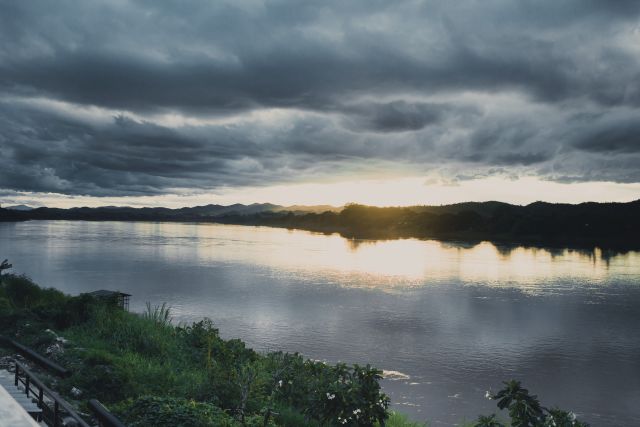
pixel 151 372
pixel 397 419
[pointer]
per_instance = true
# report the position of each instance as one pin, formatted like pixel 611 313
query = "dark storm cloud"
pixel 226 56
pixel 551 88
pixel 610 135
pixel 56 153
pixel 394 116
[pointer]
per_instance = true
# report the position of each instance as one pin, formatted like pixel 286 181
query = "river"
pixel 447 321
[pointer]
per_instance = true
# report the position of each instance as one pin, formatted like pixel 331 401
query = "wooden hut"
pixel 119 298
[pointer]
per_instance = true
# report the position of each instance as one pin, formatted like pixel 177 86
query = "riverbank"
pixel 151 372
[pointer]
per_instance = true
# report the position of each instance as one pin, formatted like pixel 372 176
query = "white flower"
pixel 331 396
pixel 280 383
pixel 290 382
pixel 572 416
pixel 488 395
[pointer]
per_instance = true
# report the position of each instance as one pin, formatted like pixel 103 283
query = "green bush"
pixel 99 374
pixel 396 419
pixel 526 411
pixel 171 412
pixel 329 394
pixel 20 297
pixel 5 306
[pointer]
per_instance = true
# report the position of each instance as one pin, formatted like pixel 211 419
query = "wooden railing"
pixel 104 417
pixel 54 408
pixel 36 357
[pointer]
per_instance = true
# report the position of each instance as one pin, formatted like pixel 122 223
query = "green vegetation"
pixel 525 410
pixel 396 419
pixel 152 373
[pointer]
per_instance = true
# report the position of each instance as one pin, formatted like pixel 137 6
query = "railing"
pixel 37 358
pixel 104 417
pixel 54 408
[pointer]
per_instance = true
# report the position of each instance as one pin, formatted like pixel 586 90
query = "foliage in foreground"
pixel 396 419
pixel 151 372
pixel 168 412
pixel 525 410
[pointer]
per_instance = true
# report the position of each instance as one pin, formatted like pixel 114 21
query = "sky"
pixel 182 103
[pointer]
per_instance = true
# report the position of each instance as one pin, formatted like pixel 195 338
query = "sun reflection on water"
pixel 403 262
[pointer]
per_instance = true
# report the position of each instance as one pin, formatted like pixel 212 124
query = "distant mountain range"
pixel 592 224
pixel 196 213
pixel 19 208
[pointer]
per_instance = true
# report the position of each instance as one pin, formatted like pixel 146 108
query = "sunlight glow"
pixel 387 192
pixel 384 265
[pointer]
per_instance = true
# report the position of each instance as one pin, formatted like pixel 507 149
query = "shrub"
pixel 397 419
pixel 525 410
pixel 171 412
pixel 5 306
pixel 99 375
pixel 329 394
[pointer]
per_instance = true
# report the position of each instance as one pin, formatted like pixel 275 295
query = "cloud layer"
pixel 145 97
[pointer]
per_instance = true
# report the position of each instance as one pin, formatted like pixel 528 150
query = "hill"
pixel 593 224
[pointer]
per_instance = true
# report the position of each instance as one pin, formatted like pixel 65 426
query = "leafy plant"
pixel 488 421
pixel 397 419
pixel 171 412
pixel 558 418
pixel 525 410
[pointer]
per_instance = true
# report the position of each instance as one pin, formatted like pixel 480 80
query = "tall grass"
pixel 141 351
pixel 160 314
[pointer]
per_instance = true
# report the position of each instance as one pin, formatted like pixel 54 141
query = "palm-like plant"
pixel 558 418
pixel 524 409
pixel 488 421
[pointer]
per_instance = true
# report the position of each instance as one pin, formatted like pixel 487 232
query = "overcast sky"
pixel 190 102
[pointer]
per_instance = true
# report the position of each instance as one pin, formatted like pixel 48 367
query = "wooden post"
pixel 55 414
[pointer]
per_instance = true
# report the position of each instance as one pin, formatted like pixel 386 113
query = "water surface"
pixel 447 321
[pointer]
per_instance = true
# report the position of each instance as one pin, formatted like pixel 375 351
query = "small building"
pixel 119 298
